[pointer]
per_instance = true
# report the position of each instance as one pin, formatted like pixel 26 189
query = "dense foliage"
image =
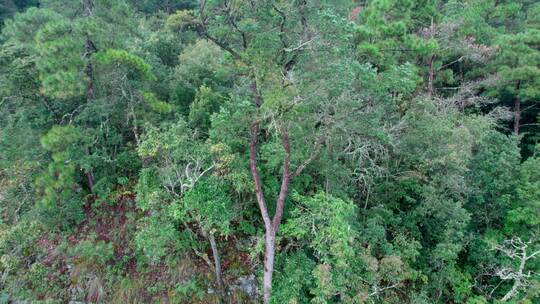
pixel 233 151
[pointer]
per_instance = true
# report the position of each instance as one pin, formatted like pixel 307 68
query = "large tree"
pixel 273 45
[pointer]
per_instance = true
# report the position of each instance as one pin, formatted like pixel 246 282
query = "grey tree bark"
pixel 516 249
pixel 217 267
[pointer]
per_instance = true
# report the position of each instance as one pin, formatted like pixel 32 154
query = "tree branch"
pixel 235 26
pixel 285 180
pixel 314 154
pixel 202 31
pixel 379 290
pixel 253 160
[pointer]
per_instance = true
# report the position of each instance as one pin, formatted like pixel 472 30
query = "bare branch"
pixel 379 290
pixel 300 46
pixel 515 248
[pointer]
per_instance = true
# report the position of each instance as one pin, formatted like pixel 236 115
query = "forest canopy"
pixel 270 151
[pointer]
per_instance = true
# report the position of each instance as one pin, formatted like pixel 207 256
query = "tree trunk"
pixel 271 225
pixel 431 72
pixel 517 280
pixel 512 292
pixel 269 254
pixel 217 266
pixel 89 49
pixel 517 115
pixel 89 175
pixel 431 76
pixel 517 110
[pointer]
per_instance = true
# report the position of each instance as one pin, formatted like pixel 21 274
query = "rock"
pixel 247 284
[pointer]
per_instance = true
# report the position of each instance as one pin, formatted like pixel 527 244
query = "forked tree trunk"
pixel 271 225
